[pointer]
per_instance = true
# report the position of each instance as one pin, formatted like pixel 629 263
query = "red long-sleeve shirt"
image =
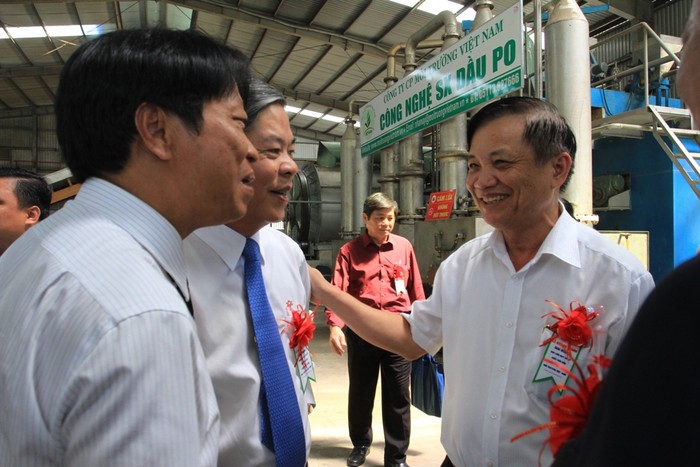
pixel 369 272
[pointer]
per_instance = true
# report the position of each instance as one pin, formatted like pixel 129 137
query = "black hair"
pixel 379 200
pixel 260 95
pixel 31 189
pixel 546 131
pixel 106 79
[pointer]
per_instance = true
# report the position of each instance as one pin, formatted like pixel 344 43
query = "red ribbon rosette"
pixel 571 327
pixel 569 412
pixel 302 327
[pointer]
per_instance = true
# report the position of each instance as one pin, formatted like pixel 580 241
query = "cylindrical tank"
pixel 567 85
pixel 389 181
pixel 452 152
pixel 410 178
pixel 484 12
pixel 313 215
pixel 362 186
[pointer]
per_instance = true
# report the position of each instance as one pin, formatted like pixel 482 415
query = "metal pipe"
pixel 567 67
pixel 452 154
pixel 483 16
pixel 411 171
pixel 483 12
pixel 538 48
pixel 391 77
pixel 445 18
pixel 633 70
pixel 362 184
pixel 347 156
pixel 388 157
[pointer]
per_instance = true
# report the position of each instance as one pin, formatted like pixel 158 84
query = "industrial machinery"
pixel 636 171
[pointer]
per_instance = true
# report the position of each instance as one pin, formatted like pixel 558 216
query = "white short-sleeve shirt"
pixel 488 319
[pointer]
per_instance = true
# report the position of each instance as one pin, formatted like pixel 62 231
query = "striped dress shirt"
pixel 100 364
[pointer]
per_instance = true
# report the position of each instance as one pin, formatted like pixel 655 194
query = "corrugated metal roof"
pixel 323 54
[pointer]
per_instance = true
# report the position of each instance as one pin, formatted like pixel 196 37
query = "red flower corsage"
pixel 568 414
pixel 302 327
pixel 571 327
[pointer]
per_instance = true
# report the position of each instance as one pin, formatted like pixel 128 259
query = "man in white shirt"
pixel 216 273
pixel 489 297
pixel 99 359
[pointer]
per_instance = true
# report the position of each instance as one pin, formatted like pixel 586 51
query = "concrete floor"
pixel 330 442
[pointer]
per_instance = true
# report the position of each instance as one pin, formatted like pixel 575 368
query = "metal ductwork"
pixel 411 174
pixel 388 157
pixel 452 153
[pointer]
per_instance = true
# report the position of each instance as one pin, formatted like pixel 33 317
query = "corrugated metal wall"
pixel 30 143
pixel 669 20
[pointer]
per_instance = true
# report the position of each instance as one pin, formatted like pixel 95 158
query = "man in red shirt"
pixel 379 269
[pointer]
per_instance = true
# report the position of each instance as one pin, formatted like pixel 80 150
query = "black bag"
pixel 427 385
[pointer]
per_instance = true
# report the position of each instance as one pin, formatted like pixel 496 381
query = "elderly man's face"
pixel 13 219
pixel 513 192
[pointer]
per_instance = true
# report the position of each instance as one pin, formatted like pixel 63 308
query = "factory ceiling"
pixel 325 55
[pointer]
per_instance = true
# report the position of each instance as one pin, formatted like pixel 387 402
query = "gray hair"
pixel 379 201
pixel 260 95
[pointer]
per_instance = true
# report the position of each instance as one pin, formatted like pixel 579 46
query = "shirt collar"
pixel 228 244
pixel 148 227
pixel 367 240
pixel 561 242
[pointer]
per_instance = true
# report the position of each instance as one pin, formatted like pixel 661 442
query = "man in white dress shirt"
pixel 489 297
pixel 215 270
pixel 100 364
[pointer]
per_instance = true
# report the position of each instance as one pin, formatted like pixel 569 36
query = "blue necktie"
pixel 282 429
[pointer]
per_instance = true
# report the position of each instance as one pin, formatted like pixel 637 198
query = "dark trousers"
pixel 364 363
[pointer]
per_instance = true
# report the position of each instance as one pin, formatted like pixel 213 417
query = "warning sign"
pixel 440 205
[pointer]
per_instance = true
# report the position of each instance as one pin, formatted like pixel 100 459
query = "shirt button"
pixel 489 463
pixel 502 369
pixel 509 324
pixel 493 415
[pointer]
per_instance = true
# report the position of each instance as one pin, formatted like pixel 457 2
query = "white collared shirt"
pixel 489 319
pixel 99 359
pixel 216 273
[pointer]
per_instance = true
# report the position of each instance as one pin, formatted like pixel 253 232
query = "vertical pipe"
pixel 411 172
pixel 347 157
pixel 567 68
pixel 452 155
pixel 483 16
pixel 483 12
pixel 646 69
pixel 388 157
pixel 362 185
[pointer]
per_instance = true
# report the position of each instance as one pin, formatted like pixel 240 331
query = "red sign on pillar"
pixel 440 205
